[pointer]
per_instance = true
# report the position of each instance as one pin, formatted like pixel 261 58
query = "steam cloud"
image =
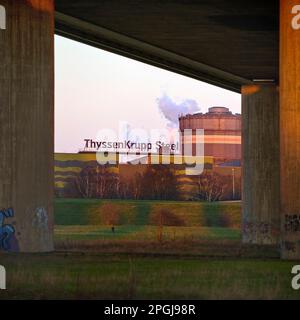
pixel 171 110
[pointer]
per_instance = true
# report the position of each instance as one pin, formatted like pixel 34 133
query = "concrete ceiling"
pixel 224 42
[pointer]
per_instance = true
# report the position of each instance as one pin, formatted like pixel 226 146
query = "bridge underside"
pixel 226 43
pixel 232 44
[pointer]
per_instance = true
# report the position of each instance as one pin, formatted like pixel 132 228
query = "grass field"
pixel 88 212
pixel 94 276
pixel 210 229
pixel 144 233
pixel 203 259
pixel 79 226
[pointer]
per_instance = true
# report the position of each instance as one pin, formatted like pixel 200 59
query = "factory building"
pixel 222 134
pixel 222 155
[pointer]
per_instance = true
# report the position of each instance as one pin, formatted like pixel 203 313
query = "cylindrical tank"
pixel 222 133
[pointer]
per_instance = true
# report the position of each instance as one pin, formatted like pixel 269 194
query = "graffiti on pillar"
pixel 2 278
pixel 296 17
pixel 292 223
pixel 2 18
pixel 260 231
pixel 6 230
pixel 40 224
pixel 40 220
pixel 289 246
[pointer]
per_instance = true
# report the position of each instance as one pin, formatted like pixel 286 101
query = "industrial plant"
pixel 222 133
pixel 221 158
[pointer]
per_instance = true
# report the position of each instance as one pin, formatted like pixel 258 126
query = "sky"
pixel 96 89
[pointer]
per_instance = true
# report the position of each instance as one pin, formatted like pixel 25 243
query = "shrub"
pixel 110 214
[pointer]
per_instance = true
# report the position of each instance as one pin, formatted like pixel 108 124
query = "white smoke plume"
pixel 172 110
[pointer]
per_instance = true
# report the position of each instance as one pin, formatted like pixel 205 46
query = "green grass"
pixel 144 233
pixel 204 259
pixel 79 227
pixel 94 276
pixel 88 212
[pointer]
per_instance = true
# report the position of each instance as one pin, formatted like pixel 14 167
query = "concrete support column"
pixel 27 126
pixel 290 127
pixel 260 164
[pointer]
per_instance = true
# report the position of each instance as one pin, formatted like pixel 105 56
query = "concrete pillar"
pixel 260 164
pixel 27 126
pixel 290 127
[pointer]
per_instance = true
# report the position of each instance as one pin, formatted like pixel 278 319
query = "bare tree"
pixel 83 182
pixel 136 186
pixel 211 186
pixel 110 214
pixel 159 182
pixel 165 217
pixel 97 182
pixel 106 183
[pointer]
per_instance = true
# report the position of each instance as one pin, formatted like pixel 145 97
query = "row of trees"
pixel 157 182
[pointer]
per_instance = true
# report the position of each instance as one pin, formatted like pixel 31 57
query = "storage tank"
pixel 222 133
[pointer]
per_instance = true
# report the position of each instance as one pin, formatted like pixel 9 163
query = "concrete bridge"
pixel 233 44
